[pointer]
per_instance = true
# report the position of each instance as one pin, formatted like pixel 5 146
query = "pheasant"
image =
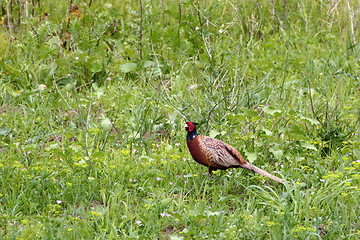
pixel 216 154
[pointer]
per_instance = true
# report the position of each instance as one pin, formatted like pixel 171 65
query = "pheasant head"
pixel 190 127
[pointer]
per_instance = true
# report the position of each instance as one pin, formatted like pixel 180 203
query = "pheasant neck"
pixel 191 135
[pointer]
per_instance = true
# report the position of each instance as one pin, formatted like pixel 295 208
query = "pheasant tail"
pixel 254 168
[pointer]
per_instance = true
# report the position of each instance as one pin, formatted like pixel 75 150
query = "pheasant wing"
pixel 223 154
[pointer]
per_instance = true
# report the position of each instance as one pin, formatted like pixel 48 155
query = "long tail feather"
pixel 254 168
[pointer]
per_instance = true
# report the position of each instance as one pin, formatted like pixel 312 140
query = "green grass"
pixel 93 103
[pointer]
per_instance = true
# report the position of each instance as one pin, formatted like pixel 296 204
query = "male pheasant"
pixel 216 154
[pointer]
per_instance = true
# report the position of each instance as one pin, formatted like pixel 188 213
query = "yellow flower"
pixel 349 168
pixel 347 184
pixel 302 228
pixel 270 223
pixel 96 214
pixel 333 175
pixel 125 152
pixel 356 164
pixel 24 221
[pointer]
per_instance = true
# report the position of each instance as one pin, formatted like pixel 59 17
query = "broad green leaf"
pixel 250 156
pixel 165 202
pixel 95 66
pixel 278 153
pixel 106 124
pixel 270 110
pixel 5 131
pixel 297 130
pixel 148 64
pixel 100 154
pixel 308 146
pixel 310 120
pixel 213 133
pixel 267 131
pixel 128 67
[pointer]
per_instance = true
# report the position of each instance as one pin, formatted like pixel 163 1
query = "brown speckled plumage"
pixel 216 154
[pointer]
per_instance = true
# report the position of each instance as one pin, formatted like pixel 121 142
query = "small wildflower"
pixel 171 183
pixel 125 152
pixel 197 28
pixel 13 223
pixel 96 214
pixel 344 194
pixel 41 87
pixel 322 180
pixel 302 228
pixel 138 222
pixel 58 201
pixel 158 178
pixel 270 223
pixel 333 175
pixel 165 215
pixel 356 163
pixel 177 144
pixel 24 221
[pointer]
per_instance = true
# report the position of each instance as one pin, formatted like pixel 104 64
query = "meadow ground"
pixel 95 94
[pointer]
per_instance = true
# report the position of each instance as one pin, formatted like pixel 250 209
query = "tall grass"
pixel 94 96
